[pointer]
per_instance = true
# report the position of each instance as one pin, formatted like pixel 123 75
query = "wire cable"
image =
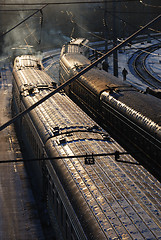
pixel 23 21
pixel 83 71
pixel 116 154
pixel 62 3
pixel 149 5
pixel 41 24
pixel 92 34
pixel 17 10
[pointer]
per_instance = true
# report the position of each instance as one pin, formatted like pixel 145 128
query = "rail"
pixel 139 65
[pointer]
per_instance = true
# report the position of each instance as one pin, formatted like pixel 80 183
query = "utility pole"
pixel 106 30
pixel 115 55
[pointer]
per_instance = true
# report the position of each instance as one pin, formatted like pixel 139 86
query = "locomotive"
pixel 133 117
pixel 91 197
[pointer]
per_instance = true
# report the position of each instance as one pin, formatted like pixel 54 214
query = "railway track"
pixel 140 68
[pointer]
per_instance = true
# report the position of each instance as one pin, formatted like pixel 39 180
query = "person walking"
pixel 105 66
pixel 124 74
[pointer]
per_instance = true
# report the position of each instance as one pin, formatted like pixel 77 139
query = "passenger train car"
pixel 130 115
pixel 92 197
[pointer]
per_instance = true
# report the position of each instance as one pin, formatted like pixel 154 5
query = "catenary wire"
pixel 116 154
pixel 22 21
pixel 62 3
pixel 149 5
pixel 92 34
pixel 83 71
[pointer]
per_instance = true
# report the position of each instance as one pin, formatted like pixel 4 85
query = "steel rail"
pixel 141 69
pixel 146 69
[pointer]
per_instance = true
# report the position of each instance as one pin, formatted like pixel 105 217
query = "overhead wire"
pixel 18 24
pixel 83 71
pixel 31 33
pixel 42 15
pixel 92 34
pixel 108 11
pixel 21 9
pixel 41 24
pixel 141 49
pixel 29 48
pixel 62 3
pixel 149 5
pixel 116 154
pixel 72 20
pixel 127 23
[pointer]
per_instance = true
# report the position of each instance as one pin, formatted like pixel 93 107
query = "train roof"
pixel 113 199
pixel 79 41
pixel 78 45
pixel 27 61
pixel 76 60
pixel 146 104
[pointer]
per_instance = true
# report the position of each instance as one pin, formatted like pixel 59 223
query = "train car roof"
pixel 75 60
pixel 148 105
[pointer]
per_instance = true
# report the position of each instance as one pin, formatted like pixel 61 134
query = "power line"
pixel 39 10
pixel 149 5
pixel 102 38
pixel 21 10
pixel 108 11
pixel 129 12
pixel 87 157
pixel 58 89
pixel 62 3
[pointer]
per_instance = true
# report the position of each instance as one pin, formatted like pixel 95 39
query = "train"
pixel 91 196
pixel 131 115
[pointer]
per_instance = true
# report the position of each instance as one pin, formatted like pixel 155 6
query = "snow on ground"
pixel 124 56
pixel 123 59
pixel 154 62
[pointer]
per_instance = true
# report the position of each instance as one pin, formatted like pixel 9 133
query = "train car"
pixel 92 197
pixel 130 115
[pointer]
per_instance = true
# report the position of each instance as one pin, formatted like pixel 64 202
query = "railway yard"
pixel 144 64
pixel 123 196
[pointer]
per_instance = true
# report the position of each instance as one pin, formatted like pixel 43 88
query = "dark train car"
pixel 131 116
pixel 91 197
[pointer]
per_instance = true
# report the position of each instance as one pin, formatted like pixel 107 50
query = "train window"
pixel 54 196
pixel 40 155
pixel 50 188
pixel 61 213
pixel 73 236
pixel 66 227
pixel 147 147
pixel 68 234
pixel 58 205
